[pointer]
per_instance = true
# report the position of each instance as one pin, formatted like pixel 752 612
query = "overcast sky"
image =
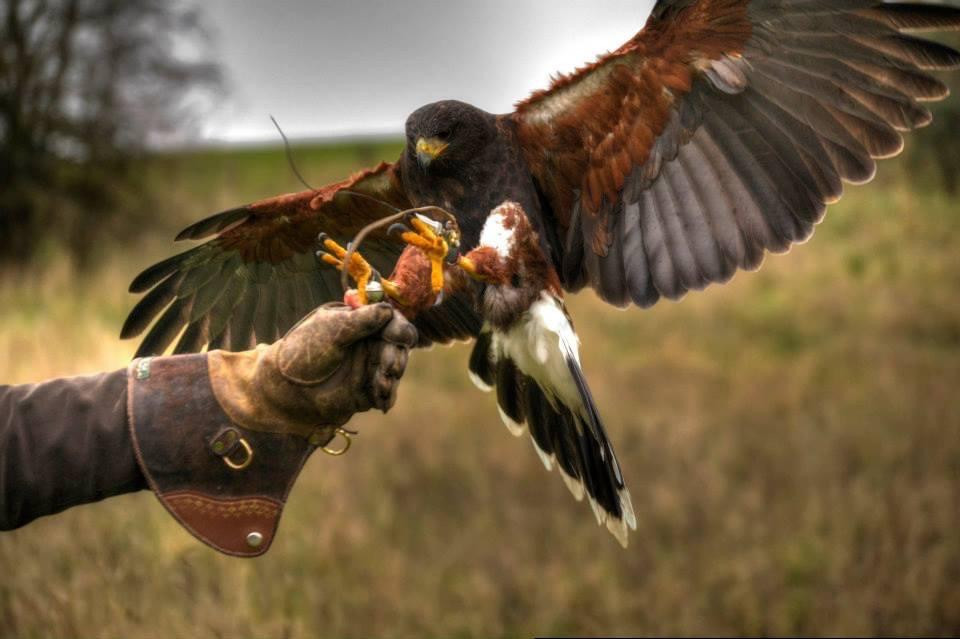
pixel 341 68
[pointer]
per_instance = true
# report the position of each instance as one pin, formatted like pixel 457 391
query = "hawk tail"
pixel 571 438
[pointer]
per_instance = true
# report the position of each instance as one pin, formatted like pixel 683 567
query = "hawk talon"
pixel 358 268
pixel 431 238
pixel 370 284
pixel 396 229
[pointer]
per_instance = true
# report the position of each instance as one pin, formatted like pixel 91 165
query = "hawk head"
pixel 447 135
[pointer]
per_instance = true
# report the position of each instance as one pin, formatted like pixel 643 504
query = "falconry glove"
pixel 221 437
pixel 313 380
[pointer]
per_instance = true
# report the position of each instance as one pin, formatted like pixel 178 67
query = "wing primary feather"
pixel 825 91
pixel 193 338
pixel 828 179
pixel 916 17
pixel 573 272
pixel 880 140
pixel 206 297
pixel 759 181
pixel 807 109
pixel 637 272
pixel 151 305
pixel 199 274
pixel 223 312
pixel 747 210
pixel 657 246
pixel 317 288
pixel 150 276
pixel 213 224
pixel 302 293
pixel 912 51
pixel 793 175
pixel 854 167
pixel 692 209
pixel 328 281
pixel 887 103
pixel 287 314
pixel 722 239
pixel 613 284
pixel 826 25
pixel 165 329
pixel 915 84
pixel 242 335
pixel 842 47
pixel 264 320
pixel 221 340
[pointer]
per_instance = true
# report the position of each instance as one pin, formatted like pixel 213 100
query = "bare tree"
pixel 84 86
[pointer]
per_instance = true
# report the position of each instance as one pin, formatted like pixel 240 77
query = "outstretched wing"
pixel 721 131
pixel 258 275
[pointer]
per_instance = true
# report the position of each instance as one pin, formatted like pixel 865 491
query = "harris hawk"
pixel 718 133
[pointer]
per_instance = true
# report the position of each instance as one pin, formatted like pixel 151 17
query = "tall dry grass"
pixel 791 441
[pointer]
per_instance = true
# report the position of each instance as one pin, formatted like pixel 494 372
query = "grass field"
pixel 791 441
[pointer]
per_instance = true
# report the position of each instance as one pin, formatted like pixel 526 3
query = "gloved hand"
pixel 336 362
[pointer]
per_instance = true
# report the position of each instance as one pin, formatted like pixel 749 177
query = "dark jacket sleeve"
pixel 155 425
pixel 64 442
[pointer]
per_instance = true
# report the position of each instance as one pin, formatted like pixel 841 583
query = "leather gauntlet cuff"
pixel 226 484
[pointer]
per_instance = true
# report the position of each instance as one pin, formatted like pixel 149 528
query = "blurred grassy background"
pixel 791 441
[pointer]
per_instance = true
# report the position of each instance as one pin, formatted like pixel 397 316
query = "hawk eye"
pixel 515 280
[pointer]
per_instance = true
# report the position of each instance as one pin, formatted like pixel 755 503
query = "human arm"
pixel 173 423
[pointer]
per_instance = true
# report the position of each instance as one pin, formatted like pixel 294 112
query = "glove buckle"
pixel 247 457
pixel 337 452
pixel 227 442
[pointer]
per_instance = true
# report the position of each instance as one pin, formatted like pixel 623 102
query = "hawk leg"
pixel 358 269
pixel 433 244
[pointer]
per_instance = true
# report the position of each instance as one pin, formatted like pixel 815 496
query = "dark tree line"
pixel 85 86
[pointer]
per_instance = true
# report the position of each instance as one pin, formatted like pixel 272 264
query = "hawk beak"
pixel 429 149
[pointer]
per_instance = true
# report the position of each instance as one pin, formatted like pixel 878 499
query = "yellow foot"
pixel 358 268
pixel 434 245
pixel 368 281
